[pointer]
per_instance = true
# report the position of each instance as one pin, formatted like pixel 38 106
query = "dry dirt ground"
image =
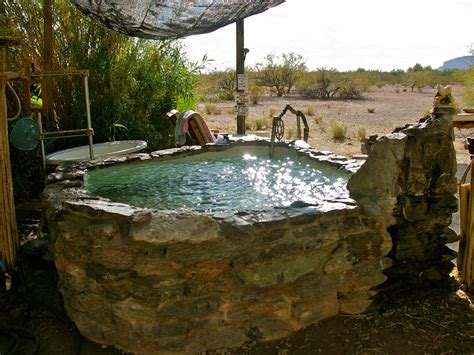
pixel 391 109
pixel 427 321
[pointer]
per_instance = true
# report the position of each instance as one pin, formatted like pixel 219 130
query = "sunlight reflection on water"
pixel 218 183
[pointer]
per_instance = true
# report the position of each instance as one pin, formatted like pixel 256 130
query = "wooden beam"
pixel 9 242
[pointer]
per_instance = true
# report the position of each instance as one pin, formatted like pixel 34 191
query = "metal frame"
pixel 89 132
pixel 277 120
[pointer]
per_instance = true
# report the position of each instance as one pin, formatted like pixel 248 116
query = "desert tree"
pixel 225 81
pixel 280 72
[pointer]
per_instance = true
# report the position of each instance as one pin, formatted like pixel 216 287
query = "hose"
pixel 10 86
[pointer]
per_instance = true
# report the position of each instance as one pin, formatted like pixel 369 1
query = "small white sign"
pixel 242 82
pixel 241 98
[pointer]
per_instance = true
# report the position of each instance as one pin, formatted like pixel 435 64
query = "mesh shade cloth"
pixel 162 19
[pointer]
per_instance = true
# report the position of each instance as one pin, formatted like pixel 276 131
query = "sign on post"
pixel 242 82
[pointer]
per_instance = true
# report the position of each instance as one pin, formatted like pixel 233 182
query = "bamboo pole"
pixel 9 242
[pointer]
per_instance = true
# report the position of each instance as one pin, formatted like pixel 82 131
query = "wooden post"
pixel 240 69
pixel 467 266
pixel 9 242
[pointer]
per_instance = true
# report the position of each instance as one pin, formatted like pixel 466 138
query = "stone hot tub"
pixel 150 280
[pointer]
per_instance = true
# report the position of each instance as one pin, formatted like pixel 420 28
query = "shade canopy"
pixel 162 19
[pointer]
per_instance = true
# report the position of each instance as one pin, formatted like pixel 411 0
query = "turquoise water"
pixel 218 183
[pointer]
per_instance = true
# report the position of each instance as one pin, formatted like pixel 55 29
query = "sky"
pixel 348 34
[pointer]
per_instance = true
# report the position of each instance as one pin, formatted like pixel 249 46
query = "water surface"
pixel 223 182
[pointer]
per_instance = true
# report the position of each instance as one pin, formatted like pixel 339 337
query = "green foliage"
pixel 255 93
pixel 217 85
pixel 338 130
pixel 328 84
pixel 361 133
pixel 290 133
pixel 261 123
pixel 132 82
pixel 115 129
pixel 186 103
pixel 226 85
pixel 280 73
pixel 468 82
pixel 135 80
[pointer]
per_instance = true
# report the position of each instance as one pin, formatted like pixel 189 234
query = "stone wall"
pixel 148 281
pixel 409 181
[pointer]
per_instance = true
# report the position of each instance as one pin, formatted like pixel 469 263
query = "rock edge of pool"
pixel 145 280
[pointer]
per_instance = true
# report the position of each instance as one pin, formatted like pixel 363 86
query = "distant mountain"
pixel 458 63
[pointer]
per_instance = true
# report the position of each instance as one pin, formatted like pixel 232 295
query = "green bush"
pixel 468 82
pixel 338 130
pixel 328 84
pixel 256 93
pixel 134 82
pixel 131 82
pixel 361 133
pixel 280 72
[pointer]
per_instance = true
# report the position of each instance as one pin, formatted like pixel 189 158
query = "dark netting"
pixel 161 19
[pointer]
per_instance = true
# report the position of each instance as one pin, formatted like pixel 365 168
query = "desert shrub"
pixel 310 110
pixel 256 93
pixel 259 124
pixel 467 79
pixel 226 85
pixel 371 110
pixel 468 95
pixel 338 130
pixel 280 72
pixel 291 133
pixel 328 84
pixel 272 111
pixel 231 110
pixel 212 109
pixel 361 133
pixel 322 127
pixel 248 125
pixel 318 120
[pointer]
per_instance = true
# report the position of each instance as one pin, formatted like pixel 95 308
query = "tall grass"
pixel 338 130
pixel 212 109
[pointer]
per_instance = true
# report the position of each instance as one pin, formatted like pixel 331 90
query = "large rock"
pixel 409 181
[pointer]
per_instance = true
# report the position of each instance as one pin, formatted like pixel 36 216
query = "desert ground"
pixel 392 106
